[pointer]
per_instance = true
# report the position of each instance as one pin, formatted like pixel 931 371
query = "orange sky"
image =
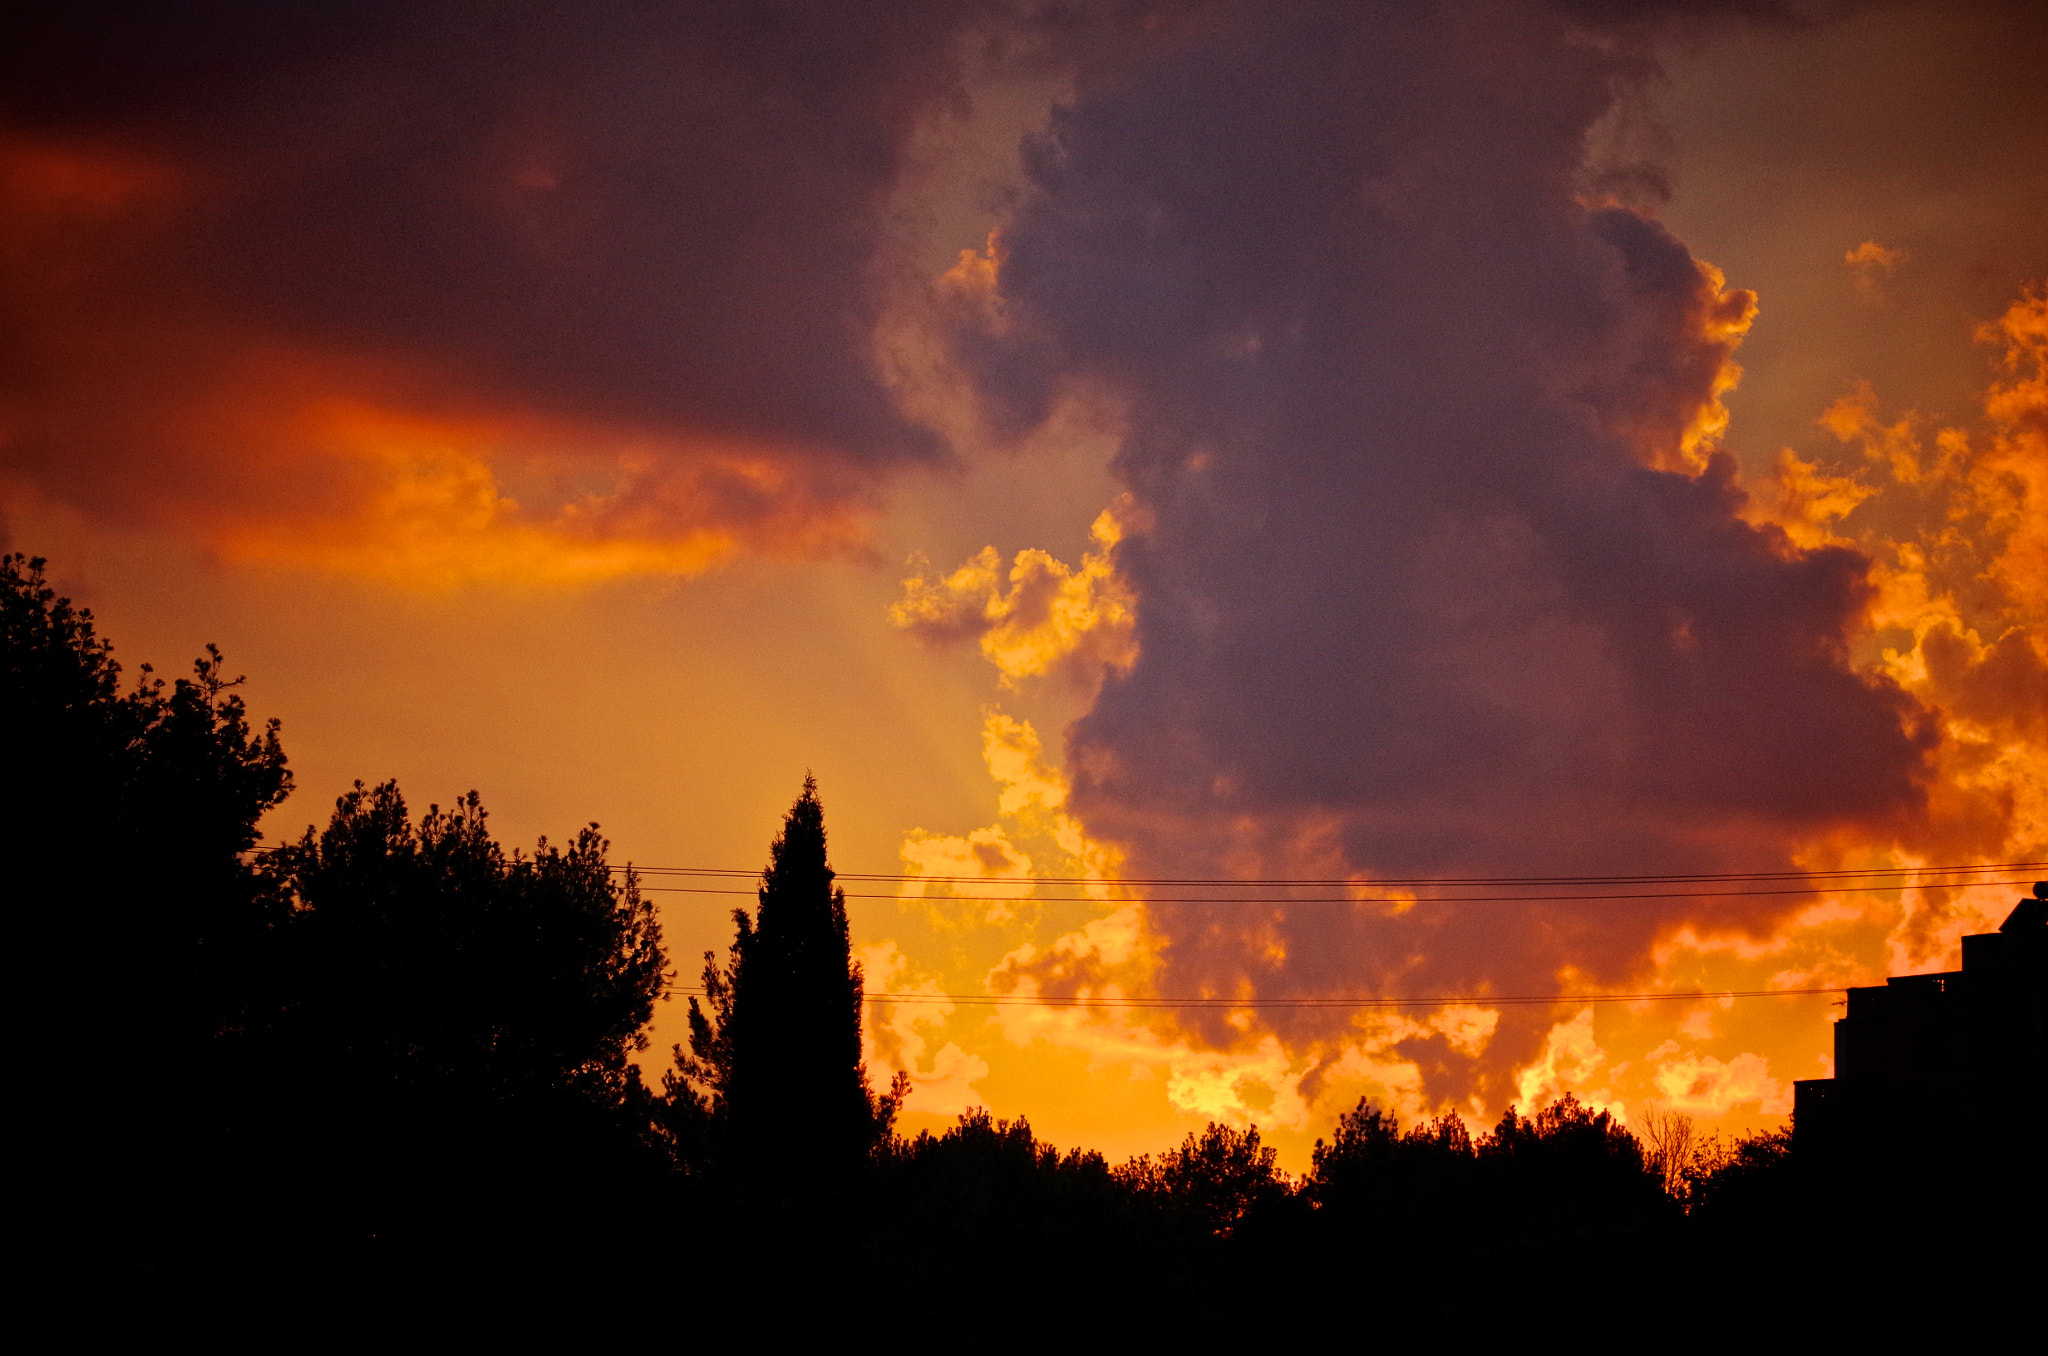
pixel 518 422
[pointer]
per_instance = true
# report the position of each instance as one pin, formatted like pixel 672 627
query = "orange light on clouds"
pixel 1891 488
pixel 1051 617
pixel 73 182
pixel 429 510
pixel 1724 317
pixel 435 501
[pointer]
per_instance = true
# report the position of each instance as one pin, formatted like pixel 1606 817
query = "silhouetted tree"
pixel 1018 1199
pixel 1570 1170
pixel 1371 1177
pixel 1668 1146
pixel 1217 1179
pixel 1536 1200
pixel 774 1072
pixel 141 932
pixel 1371 1183
pixel 988 1199
pixel 472 1015
pixel 134 808
pixel 1745 1178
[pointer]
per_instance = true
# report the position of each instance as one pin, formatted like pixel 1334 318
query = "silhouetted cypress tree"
pixel 774 1075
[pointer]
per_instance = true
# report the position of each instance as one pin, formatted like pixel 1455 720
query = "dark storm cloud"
pixel 650 217
pixel 1612 14
pixel 1441 576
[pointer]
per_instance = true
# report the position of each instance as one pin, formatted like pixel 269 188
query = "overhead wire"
pixel 1351 899
pixel 1604 889
pixel 1375 1001
pixel 1835 881
pixel 1831 881
pixel 1278 882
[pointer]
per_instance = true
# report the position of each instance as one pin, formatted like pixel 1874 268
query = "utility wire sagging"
pixel 1235 1004
pixel 1872 873
pixel 1368 899
pixel 1717 885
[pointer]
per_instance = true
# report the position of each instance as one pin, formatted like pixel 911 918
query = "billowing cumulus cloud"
pixel 1702 1083
pixel 898 1035
pixel 528 290
pixel 1952 521
pixel 1040 616
pixel 1442 571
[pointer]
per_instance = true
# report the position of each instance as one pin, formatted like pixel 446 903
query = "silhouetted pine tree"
pixel 1214 1181
pixel 473 1015
pixel 774 1082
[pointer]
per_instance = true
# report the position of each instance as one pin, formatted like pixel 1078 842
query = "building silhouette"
pixel 1968 1048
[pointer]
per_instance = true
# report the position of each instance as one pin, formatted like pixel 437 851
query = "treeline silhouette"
pixel 391 1055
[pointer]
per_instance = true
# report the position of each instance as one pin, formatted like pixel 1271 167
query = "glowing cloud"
pixel 1952 521
pixel 1052 618
pixel 1570 1059
pixel 1870 264
pixel 307 341
pixel 1435 566
pixel 1701 1083
pixel 895 1036
pixel 1113 957
pixel 423 502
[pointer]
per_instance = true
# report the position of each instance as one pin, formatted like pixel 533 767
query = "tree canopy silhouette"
pixel 124 817
pixel 434 956
pixel 395 1032
pixel 774 1068
pixel 1571 1168
pixel 134 808
pixel 1216 1179
pixel 473 1013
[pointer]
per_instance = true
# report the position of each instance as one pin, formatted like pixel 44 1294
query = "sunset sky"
pixel 1348 441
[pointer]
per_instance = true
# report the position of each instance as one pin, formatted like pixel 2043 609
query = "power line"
pixel 1351 899
pixel 1235 1004
pixel 1890 878
pixel 1276 882
pixel 1883 880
